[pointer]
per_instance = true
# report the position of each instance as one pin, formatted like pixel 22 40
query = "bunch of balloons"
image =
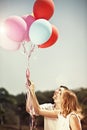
pixel 35 27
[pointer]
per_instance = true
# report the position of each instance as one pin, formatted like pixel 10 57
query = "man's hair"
pixel 64 87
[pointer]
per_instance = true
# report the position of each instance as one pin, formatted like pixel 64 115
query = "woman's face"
pixel 57 95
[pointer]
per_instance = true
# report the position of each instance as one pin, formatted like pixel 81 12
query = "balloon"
pixel 52 39
pixel 8 44
pixel 29 20
pixel 15 28
pixel 40 31
pixel 43 9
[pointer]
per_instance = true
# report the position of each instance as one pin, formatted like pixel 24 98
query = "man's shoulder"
pixel 47 106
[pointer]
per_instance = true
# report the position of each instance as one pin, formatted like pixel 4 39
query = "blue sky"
pixel 64 63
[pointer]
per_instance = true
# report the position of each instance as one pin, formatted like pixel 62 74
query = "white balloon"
pixel 40 31
pixel 7 43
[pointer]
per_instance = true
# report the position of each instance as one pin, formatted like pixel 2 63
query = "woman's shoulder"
pixel 74 120
pixel 73 115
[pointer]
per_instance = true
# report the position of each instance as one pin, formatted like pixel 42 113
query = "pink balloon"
pixel 29 20
pixel 8 44
pixel 15 28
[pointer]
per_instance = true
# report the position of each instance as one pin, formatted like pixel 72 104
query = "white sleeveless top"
pixel 60 123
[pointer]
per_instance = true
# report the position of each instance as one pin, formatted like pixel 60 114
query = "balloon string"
pixel 25 51
pixel 28 53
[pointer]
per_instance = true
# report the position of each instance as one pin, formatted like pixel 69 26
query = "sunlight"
pixel 2 28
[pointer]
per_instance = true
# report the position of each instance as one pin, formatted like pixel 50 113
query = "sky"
pixel 64 63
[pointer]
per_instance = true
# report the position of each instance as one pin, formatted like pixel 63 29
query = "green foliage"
pixel 44 97
pixel 82 95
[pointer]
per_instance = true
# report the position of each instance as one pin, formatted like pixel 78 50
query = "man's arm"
pixel 28 100
pixel 38 110
pixel 34 99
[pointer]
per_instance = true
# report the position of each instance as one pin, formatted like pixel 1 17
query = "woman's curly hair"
pixel 70 103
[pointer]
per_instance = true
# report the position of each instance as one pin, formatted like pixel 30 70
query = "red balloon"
pixel 43 9
pixel 52 39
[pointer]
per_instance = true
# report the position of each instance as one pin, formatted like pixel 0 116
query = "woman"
pixel 64 115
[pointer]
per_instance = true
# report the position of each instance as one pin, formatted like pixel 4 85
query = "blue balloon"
pixel 40 31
